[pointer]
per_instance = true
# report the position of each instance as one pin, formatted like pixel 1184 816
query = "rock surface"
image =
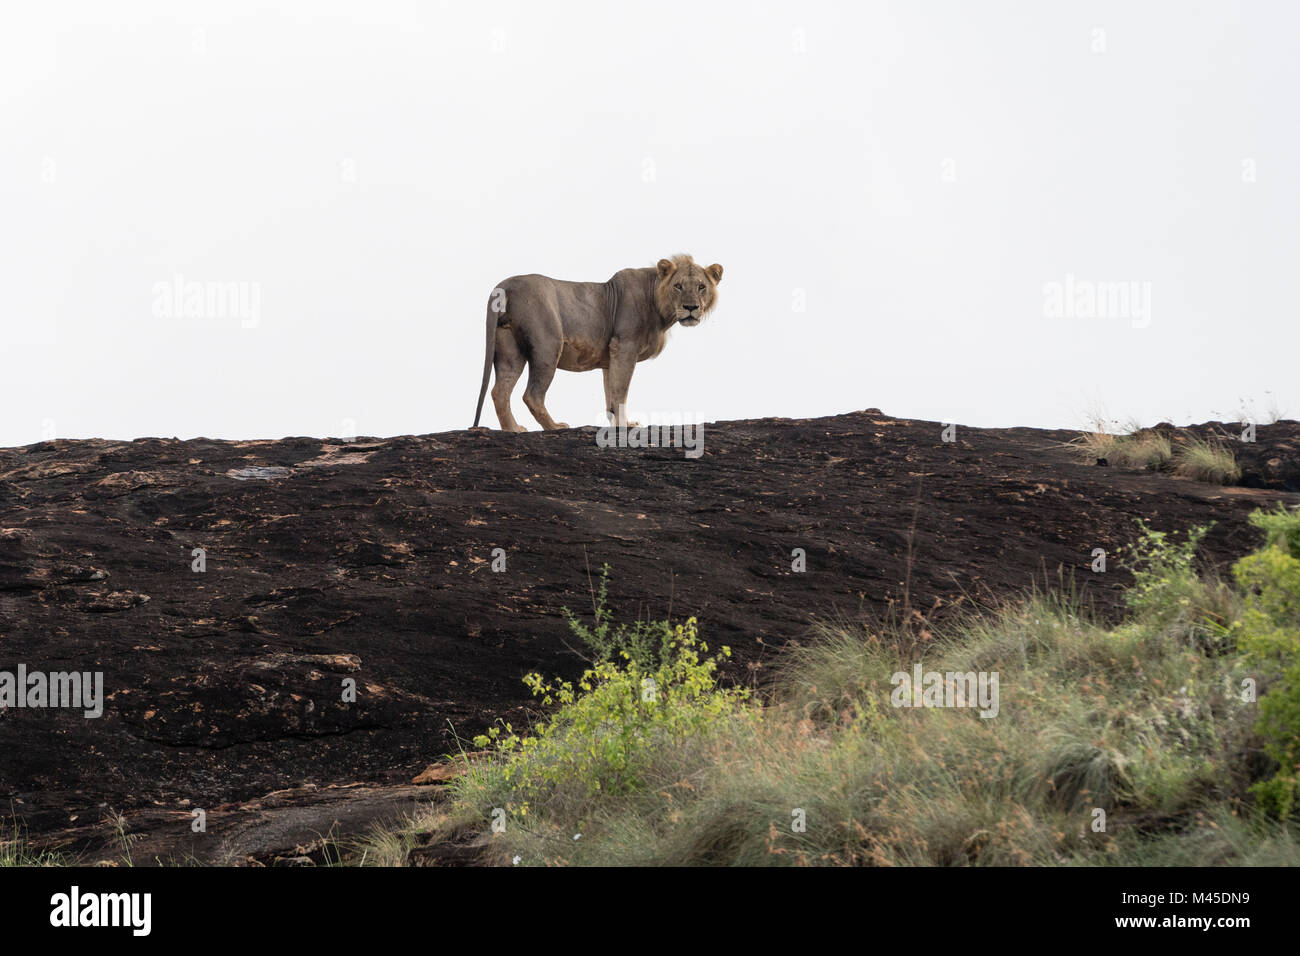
pixel 370 561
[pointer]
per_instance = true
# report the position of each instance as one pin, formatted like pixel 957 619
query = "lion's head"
pixel 686 292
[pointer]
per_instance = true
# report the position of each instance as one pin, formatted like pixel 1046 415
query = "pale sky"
pixel 893 190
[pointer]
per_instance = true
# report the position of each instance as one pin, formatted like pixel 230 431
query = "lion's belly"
pixel 583 356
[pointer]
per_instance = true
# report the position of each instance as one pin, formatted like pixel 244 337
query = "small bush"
pixel 1170 595
pixel 645 643
pixel 608 723
pixel 1163 570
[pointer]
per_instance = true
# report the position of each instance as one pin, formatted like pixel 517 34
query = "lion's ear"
pixel 715 272
pixel 666 268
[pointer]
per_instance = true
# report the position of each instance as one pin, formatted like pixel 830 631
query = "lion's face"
pixel 686 291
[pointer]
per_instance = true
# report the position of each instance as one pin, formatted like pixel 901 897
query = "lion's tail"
pixel 496 308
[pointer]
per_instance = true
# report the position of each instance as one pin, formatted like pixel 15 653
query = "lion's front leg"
pixel 611 414
pixel 622 362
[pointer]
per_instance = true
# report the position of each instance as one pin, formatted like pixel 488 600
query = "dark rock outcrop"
pixel 368 564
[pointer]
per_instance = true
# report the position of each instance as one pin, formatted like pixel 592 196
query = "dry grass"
pixel 1205 460
pixel 1140 449
pixel 389 847
pixel 1208 461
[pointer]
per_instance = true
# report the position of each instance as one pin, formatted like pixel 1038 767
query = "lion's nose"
pixel 690 308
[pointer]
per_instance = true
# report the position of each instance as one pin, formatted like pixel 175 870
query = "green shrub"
pixel 1163 570
pixel 645 643
pixel 605 726
pixel 1169 594
pixel 1279 725
pixel 1281 528
pixel 1269 633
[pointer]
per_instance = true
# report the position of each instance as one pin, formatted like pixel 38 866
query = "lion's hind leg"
pixel 509 362
pixel 541 371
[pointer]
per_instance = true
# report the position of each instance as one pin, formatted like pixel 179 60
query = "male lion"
pixel 578 326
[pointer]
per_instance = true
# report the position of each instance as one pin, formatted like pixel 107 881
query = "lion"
pixel 550 324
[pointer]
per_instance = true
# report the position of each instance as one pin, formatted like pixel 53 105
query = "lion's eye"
pixel 701 288
pixel 678 287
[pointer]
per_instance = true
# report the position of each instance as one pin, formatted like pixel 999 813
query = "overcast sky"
pixel 915 204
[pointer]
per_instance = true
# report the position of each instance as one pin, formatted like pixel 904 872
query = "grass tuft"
pixel 1140 449
pixel 1208 461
